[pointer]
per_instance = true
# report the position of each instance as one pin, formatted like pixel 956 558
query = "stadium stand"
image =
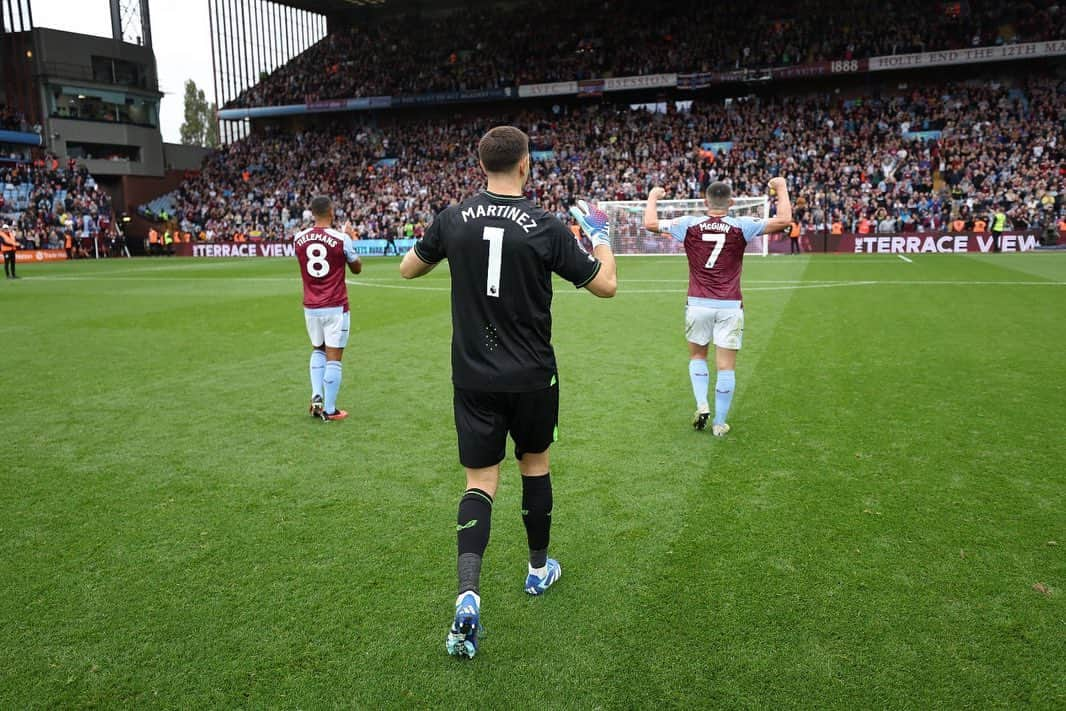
pixel 563 40
pixel 45 199
pixel 856 162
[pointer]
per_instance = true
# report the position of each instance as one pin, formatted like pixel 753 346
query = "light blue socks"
pixel 318 372
pixel 723 394
pixel 332 381
pixel 698 374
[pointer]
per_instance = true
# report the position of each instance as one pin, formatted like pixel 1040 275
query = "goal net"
pixel 628 235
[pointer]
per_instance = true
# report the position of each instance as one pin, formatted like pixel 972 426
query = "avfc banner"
pixel 596 87
pixel 559 88
pixel 363 247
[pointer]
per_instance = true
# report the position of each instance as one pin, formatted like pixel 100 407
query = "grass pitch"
pixel 884 528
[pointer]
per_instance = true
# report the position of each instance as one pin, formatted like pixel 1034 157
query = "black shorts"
pixel 483 421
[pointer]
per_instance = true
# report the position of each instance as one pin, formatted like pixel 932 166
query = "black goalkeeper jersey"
pixel 501 251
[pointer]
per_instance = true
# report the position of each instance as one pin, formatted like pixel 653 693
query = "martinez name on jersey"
pixel 507 212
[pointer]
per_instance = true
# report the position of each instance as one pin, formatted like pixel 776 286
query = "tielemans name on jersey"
pixel 324 237
pixel 508 212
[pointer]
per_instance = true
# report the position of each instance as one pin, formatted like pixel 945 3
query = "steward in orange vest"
pixel 9 245
pixel 794 238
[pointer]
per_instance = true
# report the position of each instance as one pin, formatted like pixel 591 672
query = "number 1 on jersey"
pixel 494 235
pixel 719 242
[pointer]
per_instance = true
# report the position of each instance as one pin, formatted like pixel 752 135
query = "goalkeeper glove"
pixel 593 222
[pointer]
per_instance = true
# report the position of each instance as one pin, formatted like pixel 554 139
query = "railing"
pixel 125 122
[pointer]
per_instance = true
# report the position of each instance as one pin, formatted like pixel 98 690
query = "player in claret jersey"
pixel 715 245
pixel 502 250
pixel 323 253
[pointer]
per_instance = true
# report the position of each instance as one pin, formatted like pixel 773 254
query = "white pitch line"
pixel 819 260
pixel 906 259
pixel 746 281
pixel 366 283
pixel 379 285
pixel 816 285
pixel 155 280
pixel 622 290
pixel 919 282
pixel 104 273
pixel 810 286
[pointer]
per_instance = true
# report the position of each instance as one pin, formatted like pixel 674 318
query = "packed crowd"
pixel 562 40
pixel 63 200
pixel 848 161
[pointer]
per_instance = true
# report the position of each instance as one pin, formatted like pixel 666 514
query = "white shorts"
pixel 723 326
pixel 329 328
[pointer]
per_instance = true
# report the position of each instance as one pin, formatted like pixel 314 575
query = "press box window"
pixel 103 151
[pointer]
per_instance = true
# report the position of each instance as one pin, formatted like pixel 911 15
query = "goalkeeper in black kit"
pixel 502 250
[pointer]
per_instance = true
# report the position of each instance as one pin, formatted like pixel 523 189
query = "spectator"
pixel 60 199
pixel 844 158
pixel 563 40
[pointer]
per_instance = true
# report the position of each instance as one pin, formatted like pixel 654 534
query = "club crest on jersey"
pixel 515 214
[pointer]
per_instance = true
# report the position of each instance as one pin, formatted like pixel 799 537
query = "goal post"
pixel 628 235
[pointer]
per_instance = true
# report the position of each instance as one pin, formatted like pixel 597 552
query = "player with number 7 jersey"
pixel 714 244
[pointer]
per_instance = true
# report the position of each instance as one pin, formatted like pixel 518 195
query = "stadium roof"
pixel 334 7
pixel 331 6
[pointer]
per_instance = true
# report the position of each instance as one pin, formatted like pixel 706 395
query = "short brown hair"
pixel 719 194
pixel 502 148
pixel 320 206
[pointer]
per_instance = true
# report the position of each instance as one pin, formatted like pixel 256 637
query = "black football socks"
pixel 537 515
pixel 472 531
